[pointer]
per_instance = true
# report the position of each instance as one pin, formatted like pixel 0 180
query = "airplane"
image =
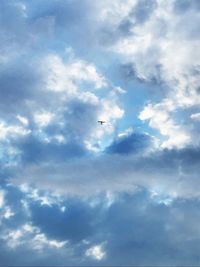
pixel 101 122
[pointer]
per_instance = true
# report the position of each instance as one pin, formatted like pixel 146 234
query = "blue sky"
pixel 77 193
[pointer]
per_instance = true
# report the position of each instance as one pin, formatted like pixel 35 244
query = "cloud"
pixel 159 116
pixel 184 6
pixel 172 173
pixel 195 116
pixel 56 113
pixel 80 193
pixel 133 224
pixel 1 198
pixel 131 142
pixel 143 10
pixel 67 77
pixel 13 30
pixel 150 47
pixel 95 252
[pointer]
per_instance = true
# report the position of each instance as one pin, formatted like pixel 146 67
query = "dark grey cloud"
pixel 150 233
pixel 143 9
pixel 34 150
pixel 131 226
pixel 74 224
pixel 131 143
pixel 186 5
pixel 18 83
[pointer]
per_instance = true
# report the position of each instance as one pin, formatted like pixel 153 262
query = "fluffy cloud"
pixel 95 252
pixel 58 110
pixel 159 116
pixel 164 48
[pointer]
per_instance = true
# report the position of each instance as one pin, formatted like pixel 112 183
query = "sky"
pixel 74 192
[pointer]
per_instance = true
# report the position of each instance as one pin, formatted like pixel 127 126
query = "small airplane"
pixel 101 122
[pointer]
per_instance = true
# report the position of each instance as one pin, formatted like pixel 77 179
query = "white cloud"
pixel 83 71
pixel 15 238
pixel 113 12
pixel 2 198
pixel 195 116
pixel 96 252
pixel 44 198
pixel 40 241
pixel 65 77
pixel 23 120
pixel 161 198
pixel 7 131
pixel 43 119
pixel 160 118
pixel 60 138
pixel 32 237
pixel 8 213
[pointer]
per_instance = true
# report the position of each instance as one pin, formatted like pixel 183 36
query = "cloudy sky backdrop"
pixel 72 191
